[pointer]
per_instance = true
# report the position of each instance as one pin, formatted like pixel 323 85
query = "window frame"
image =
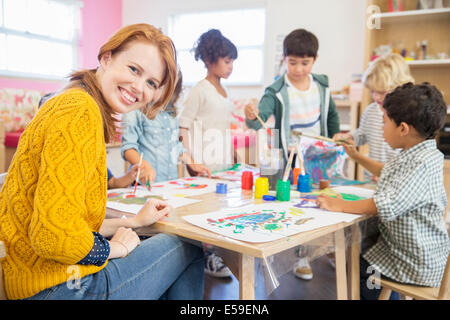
pixel 33 36
pixel 261 47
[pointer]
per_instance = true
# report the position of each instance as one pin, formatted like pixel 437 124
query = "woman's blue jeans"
pixel 161 267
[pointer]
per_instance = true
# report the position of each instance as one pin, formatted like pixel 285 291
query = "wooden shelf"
pixel 409 15
pixel 429 63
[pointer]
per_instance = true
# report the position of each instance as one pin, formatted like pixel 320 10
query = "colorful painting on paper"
pixel 126 200
pixel 322 160
pixel 235 173
pixel 347 193
pixel 266 222
pixel 191 186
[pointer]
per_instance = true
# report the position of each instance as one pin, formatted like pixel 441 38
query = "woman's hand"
pixel 123 242
pixel 152 211
pixel 147 173
pixel 330 203
pixel 200 169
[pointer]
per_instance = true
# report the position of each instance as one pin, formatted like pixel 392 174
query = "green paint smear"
pixel 271 227
pixel 350 197
pixel 238 229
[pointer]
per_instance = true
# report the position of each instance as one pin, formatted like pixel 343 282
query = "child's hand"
pixel 351 150
pixel 343 137
pixel 200 169
pixel 251 110
pixel 147 173
pixel 330 203
pixel 132 173
pixel 152 211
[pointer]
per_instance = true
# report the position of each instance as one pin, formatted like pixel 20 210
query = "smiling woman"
pixel 62 158
pixel 137 67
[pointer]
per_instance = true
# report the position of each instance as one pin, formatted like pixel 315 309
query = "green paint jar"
pixel 283 190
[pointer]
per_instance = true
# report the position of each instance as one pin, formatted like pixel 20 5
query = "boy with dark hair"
pixel 410 197
pixel 300 101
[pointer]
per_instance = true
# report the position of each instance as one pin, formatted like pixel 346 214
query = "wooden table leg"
pixel 246 277
pixel 341 272
pixel 354 262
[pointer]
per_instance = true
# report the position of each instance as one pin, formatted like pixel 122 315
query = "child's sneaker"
pixel 215 267
pixel 302 269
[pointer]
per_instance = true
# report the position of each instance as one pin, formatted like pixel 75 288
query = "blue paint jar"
pixel 304 183
pixel 221 188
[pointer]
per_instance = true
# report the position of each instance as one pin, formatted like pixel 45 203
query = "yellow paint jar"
pixel 261 187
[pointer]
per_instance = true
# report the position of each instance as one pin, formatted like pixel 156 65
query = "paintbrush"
pixel 300 160
pixel 316 137
pixel 288 166
pixel 264 125
pixel 138 173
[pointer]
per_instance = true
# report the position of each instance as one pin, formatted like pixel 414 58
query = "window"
pixel 245 28
pixel 38 38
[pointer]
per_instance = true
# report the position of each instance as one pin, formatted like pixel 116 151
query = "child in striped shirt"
pixel 410 197
pixel 300 101
pixel 383 75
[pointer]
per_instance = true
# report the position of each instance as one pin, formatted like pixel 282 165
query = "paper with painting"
pixel 175 192
pixel 235 173
pixel 348 193
pixel 266 222
pixel 186 187
pixel 325 161
pixel 126 200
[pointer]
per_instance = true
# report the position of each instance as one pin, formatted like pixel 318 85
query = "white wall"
pixel 338 24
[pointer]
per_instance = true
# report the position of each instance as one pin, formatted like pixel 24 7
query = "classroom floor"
pixel 321 287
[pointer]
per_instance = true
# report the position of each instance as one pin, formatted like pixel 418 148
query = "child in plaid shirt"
pixel 410 197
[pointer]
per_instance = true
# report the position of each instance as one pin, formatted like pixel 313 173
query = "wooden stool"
pixel 416 292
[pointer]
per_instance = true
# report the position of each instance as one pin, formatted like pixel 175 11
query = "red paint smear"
pixel 111 195
pixel 238 216
pixel 130 196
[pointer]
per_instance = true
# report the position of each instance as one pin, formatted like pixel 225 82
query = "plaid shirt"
pixel 410 197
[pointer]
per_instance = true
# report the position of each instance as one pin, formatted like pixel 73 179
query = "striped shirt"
pixel 370 132
pixel 304 108
pixel 410 198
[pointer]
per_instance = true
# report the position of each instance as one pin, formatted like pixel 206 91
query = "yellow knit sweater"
pixel 54 196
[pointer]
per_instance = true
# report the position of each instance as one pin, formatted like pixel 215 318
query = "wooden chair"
pixel 416 292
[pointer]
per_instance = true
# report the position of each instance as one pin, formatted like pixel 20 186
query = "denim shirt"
pixel 157 139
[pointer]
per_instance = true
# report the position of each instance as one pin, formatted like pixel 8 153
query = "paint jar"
pixel 261 187
pixel 283 190
pixel 296 173
pixel 304 183
pixel 247 180
pixel 221 188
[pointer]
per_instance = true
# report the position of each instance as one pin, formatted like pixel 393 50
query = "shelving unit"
pixel 429 63
pixel 348 114
pixel 405 29
pixel 413 15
